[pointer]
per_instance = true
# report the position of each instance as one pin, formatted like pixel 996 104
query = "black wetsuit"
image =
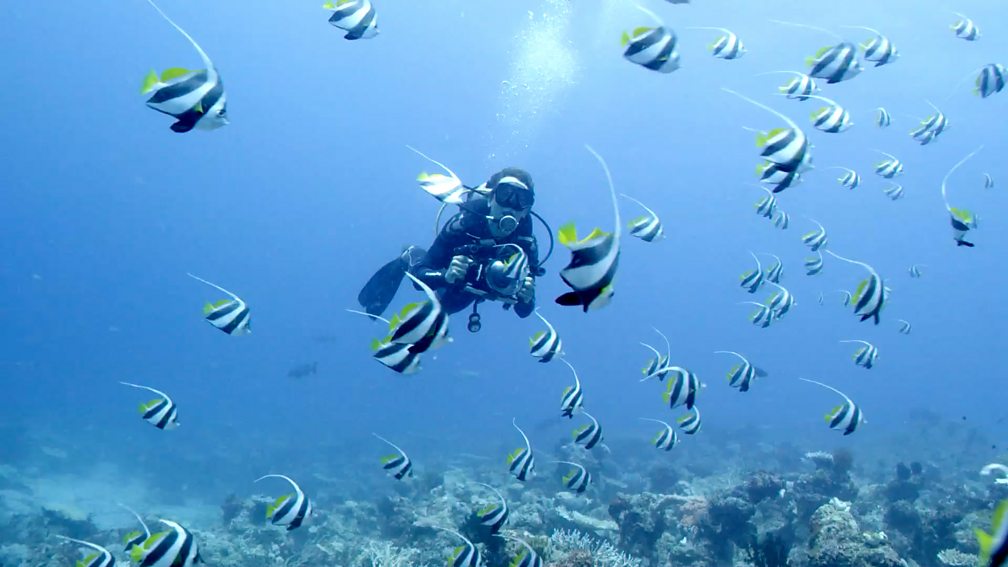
pixel 467 234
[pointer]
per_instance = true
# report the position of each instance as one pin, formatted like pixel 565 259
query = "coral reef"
pixel 826 513
pixel 641 520
pixel 837 541
pixel 771 550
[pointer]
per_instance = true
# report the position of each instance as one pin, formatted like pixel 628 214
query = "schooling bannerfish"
pixel 356 17
pixel 196 99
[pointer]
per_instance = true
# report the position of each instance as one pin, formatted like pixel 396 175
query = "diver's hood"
pixel 511 176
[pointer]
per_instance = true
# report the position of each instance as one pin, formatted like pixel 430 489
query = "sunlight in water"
pixel 543 68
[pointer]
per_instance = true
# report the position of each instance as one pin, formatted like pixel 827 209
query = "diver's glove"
pixel 458 269
pixel 526 293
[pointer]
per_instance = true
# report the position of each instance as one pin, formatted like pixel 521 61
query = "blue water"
pixel 311 188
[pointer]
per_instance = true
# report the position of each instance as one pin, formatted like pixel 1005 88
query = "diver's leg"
pixel 378 292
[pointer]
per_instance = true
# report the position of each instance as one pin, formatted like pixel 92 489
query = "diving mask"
pixel 512 193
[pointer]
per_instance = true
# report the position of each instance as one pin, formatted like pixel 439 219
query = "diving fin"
pixel 378 292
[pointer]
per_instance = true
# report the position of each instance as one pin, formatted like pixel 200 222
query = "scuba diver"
pixel 486 252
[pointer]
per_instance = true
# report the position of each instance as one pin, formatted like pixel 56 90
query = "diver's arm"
pixel 435 263
pixel 527 240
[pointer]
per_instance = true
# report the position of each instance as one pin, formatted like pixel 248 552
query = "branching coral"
pixel 956 558
pixel 572 548
pixel 384 554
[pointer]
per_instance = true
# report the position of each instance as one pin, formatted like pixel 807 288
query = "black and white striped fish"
pixel 527 557
pixel 930 127
pixel 866 355
pixel 395 356
pixel 991 80
pixel 594 259
pixel 657 367
pixel 160 412
pixel 573 397
pixel 988 181
pixel 653 48
pixel 465 555
pixel 763 316
pixel 99 557
pixel 752 280
pixel 508 274
pixel 767 205
pixel 780 302
pixel 356 17
pixel 776 178
pixel 965 28
pixel 229 315
pixel 894 191
pixel 422 325
pixel 742 375
pixel 174 547
pixel 647 227
pixel 832 118
pixel 889 167
pixel 196 99
pixel 816 239
pixel 521 461
pixel 879 49
pixel 493 516
pixel 871 294
pixel 776 271
pixel 397 464
pixel 963 220
pixel 799 87
pixel 726 46
pixel 445 187
pixel 813 264
pixel 666 439
pixel 135 537
pixel 905 327
pixel 577 479
pixel 782 220
pixel 545 345
pixel 682 388
pixel 846 417
pixel 915 270
pixel 691 422
pixel 290 510
pixel 923 136
pixel 787 149
pixel 850 179
pixel 835 63
pixel 882 118
pixel 590 434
